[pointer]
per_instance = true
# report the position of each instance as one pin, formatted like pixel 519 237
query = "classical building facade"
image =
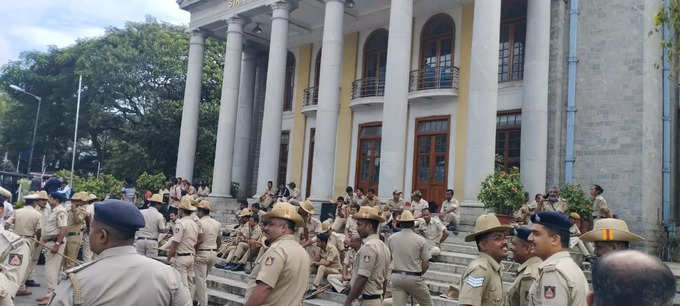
pixel 421 94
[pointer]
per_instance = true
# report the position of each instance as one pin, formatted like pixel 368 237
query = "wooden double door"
pixel 431 158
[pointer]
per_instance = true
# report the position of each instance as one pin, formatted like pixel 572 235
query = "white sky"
pixel 35 24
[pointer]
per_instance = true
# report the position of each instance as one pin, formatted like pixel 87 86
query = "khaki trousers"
pixel 35 255
pixel 87 252
pixel 185 266
pixel 237 255
pixel 53 266
pixel 321 274
pixel 449 218
pixel 413 285
pixel 336 281
pixel 148 248
pixel 71 250
pixel 375 302
pixel 339 224
pixel 205 260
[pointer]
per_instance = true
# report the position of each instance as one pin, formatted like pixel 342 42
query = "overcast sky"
pixel 35 24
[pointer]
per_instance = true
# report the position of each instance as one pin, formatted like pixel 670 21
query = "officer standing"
pixel 146 238
pixel 372 262
pixel 89 209
pixel 183 243
pixel 610 235
pixel 41 203
pixel 410 260
pixel 207 250
pixel 527 273
pixel 74 230
pixel 481 283
pixel 14 264
pixel 53 238
pixel 281 274
pixel 115 277
pixel 561 281
pixel 26 223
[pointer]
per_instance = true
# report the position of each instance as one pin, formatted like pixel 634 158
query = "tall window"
pixel 290 83
pixel 436 56
pixel 375 60
pixel 509 137
pixel 283 158
pixel 512 38
pixel 317 69
pixel 431 157
pixel 368 157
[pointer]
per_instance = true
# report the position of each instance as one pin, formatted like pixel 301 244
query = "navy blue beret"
pixel 58 195
pixel 553 220
pixel 52 185
pixel 522 233
pixel 119 214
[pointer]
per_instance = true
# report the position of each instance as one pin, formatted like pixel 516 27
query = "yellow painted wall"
pixel 297 147
pixel 344 138
pixel 463 95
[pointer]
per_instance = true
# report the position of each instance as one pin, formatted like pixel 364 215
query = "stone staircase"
pixel 228 288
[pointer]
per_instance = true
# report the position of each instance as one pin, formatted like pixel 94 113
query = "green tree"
pixel 131 105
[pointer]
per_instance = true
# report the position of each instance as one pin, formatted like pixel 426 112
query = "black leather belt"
pixel 71 234
pixel 407 273
pixel 53 239
pixel 209 250
pixel 146 238
pixel 370 297
pixel 184 254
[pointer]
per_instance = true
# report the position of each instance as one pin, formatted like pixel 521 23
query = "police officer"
pixel 329 259
pixel 561 281
pixel 115 277
pixel 74 230
pixel 610 235
pixel 281 274
pixel 433 230
pixel 248 233
pixel 372 262
pixel 26 223
pixel 207 250
pixel 40 204
pixel 52 237
pixel 183 243
pixel 481 282
pixel 527 273
pixel 312 227
pixel 554 202
pixel 410 260
pixel 146 238
pixel 14 263
pixel 89 209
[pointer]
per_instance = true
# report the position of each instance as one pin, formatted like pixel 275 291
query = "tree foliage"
pixel 131 106
pixel 103 186
pixel 154 182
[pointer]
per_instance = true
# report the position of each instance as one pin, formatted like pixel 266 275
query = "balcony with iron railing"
pixel 310 100
pixel 368 91
pixel 431 81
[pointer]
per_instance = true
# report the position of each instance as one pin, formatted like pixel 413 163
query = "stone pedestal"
pixel 224 209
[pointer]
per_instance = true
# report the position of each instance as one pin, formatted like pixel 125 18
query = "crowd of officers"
pixel 375 253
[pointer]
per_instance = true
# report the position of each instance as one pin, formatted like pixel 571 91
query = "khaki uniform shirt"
pixel 481 283
pixel 114 279
pixel 352 199
pixel 154 223
pixel 446 205
pixel 54 220
pixel 351 227
pixel 26 221
pixel 76 220
pixel 185 232
pixel 250 233
pixel 527 273
pixel 294 194
pixel 560 282
pixel 560 206
pixel 375 202
pixel 395 205
pixel 212 230
pixel 332 256
pixel 599 203
pixel 417 208
pixel 432 231
pixel 409 250
pixel 313 227
pixel 373 262
pixel 284 267
pixel 16 256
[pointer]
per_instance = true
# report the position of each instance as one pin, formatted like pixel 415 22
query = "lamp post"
pixel 35 125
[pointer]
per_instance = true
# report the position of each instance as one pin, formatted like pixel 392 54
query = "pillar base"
pixel 224 209
pixel 470 210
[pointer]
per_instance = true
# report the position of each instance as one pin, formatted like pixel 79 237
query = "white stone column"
pixel 188 133
pixel 270 142
pixel 244 118
pixel 329 102
pixel 534 147
pixel 224 148
pixel 483 98
pixel 395 107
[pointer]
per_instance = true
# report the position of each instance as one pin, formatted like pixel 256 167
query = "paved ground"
pixel 39 277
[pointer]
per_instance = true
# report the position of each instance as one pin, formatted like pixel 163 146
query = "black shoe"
pixel 195 303
pixel 308 293
pixel 238 268
pixel 31 283
pixel 345 291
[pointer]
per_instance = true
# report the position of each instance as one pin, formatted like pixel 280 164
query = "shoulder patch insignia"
pixel 549 292
pixel 269 261
pixel 15 259
pixel 367 258
pixel 475 282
